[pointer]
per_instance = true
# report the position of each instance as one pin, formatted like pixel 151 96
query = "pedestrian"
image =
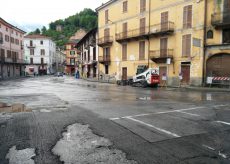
pixel 164 80
pixel 34 74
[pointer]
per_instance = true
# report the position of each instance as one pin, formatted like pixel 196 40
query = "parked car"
pixel 59 74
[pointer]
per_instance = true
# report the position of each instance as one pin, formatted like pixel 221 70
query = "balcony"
pixel 31 46
pixel 161 56
pixel 221 20
pixel 105 59
pixel 165 28
pixel 136 34
pixel 105 41
pixel 12 60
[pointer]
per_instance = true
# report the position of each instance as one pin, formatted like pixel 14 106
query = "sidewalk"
pixel 100 81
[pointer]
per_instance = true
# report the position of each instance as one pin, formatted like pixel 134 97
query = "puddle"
pixel 14 108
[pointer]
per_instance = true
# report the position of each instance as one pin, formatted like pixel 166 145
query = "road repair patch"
pixel 80 145
pixel 20 156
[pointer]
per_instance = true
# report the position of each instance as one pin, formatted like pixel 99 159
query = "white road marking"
pixel 190 114
pixel 222 122
pixel 117 118
pixel 206 146
pixel 222 155
pixel 152 126
pixel 165 112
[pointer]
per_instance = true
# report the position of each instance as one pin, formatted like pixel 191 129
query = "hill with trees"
pixel 86 19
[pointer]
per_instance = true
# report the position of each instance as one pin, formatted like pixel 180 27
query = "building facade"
pixel 60 59
pixel 217 43
pixel 72 58
pixel 166 34
pixel 12 63
pixel 87 49
pixel 40 54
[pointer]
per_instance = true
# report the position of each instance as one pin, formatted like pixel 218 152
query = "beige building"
pixel 168 34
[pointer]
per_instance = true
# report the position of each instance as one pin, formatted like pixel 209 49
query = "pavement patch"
pixel 14 108
pixel 20 156
pixel 80 145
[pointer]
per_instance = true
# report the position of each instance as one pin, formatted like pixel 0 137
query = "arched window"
pixel 210 34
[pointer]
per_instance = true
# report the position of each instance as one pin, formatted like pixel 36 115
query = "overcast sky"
pixel 29 13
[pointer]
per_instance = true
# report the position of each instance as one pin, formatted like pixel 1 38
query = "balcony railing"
pixel 132 34
pixel 12 60
pixel 162 28
pixel 161 56
pixel 104 59
pixel 221 20
pixel 105 41
pixel 31 46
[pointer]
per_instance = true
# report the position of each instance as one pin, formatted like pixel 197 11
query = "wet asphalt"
pixel 164 125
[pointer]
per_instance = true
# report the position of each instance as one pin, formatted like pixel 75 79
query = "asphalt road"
pixel 165 125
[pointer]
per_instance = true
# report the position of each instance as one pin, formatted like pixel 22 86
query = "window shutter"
pixel 186 45
pixel 142 50
pixel 106 16
pixel 125 6
pixel 142 26
pixel 189 19
pixel 125 28
pixel 124 52
pixel 185 17
pixel 142 5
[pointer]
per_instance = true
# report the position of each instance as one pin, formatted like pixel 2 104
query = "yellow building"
pixel 217 56
pixel 166 34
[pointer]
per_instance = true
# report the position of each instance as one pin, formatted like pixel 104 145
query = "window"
pixel 6 29
pixel 210 34
pixel 125 6
pixel 41 42
pixel 106 16
pixel 226 36
pixel 124 52
pixel 72 61
pixel 7 38
pixel 42 61
pixel 125 30
pixel 2 53
pixel 186 45
pixel 16 41
pixel 187 17
pixel 8 54
pixel 141 50
pixel 31 51
pixel 72 52
pixel 1 39
pixel 31 61
pixel 31 43
pixel 42 51
pixel 11 39
pixel 142 26
pixel 142 5
pixel 106 69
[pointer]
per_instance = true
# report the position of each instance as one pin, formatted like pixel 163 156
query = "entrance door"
pixel 162 71
pixel 163 47
pixel 185 70
pixel 164 21
pixel 124 73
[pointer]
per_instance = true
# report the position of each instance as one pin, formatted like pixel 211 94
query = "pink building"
pixel 12 63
